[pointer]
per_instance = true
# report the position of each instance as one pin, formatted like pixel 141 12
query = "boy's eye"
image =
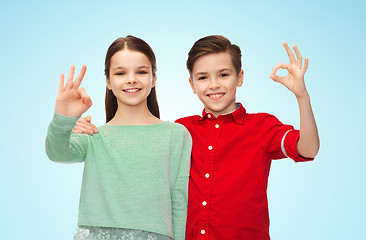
pixel 141 72
pixel 224 75
pixel 202 78
pixel 120 73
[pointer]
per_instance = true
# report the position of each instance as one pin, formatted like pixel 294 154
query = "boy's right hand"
pixel 84 125
pixel 72 100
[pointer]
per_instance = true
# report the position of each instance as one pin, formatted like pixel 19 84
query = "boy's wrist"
pixel 303 97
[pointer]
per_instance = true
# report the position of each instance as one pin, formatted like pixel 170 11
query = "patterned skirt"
pixel 106 233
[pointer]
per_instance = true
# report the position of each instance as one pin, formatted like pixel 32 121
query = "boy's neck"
pixel 226 111
pixel 134 115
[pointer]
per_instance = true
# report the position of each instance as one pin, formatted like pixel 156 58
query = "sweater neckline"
pixel 135 126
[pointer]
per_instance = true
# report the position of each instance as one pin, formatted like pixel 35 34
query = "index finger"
pixel 289 53
pixel 80 77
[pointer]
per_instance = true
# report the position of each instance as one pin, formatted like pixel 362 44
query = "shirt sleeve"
pixel 180 188
pixel 61 144
pixel 280 140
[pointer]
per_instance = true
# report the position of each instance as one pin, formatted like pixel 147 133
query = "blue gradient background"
pixel 324 199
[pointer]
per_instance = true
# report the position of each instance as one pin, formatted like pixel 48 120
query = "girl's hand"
pixel 84 125
pixel 71 100
pixel 294 80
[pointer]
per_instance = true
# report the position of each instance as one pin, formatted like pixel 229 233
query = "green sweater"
pixel 135 176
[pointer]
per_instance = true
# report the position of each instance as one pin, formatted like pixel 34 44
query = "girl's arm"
pixel 308 144
pixel 71 102
pixel 61 145
pixel 180 187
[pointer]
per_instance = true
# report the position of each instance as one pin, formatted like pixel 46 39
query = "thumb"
pixel 88 118
pixel 88 103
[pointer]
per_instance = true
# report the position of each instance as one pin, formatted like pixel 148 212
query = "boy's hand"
pixel 84 125
pixel 71 100
pixel 294 80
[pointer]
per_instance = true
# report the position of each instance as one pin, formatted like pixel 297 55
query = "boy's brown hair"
pixel 214 44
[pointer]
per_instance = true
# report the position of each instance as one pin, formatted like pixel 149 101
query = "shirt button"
pixel 204 203
pixel 209 147
pixel 203 231
pixel 207 175
pixel 209 115
pixel 217 126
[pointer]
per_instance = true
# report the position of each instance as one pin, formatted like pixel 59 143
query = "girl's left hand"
pixel 294 80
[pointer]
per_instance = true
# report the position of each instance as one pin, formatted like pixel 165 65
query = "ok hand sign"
pixel 294 80
pixel 71 100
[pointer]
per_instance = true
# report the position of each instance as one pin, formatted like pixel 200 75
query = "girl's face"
pixel 130 77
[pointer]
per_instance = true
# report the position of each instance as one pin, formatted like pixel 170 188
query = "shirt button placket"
pixel 212 136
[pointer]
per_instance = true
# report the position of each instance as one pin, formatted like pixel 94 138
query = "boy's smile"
pixel 215 96
pixel 215 80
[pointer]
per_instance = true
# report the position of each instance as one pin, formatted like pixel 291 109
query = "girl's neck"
pixel 133 115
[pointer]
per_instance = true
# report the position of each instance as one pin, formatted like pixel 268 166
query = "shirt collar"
pixel 238 114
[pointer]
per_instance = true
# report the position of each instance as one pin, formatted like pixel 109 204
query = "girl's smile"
pixel 132 90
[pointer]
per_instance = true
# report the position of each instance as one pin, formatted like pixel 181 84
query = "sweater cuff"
pixel 63 123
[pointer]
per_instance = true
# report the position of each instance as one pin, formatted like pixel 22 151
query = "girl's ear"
pixel 193 86
pixel 153 83
pixel 109 86
pixel 240 78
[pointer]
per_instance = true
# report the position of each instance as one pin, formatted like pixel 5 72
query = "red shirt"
pixel 231 158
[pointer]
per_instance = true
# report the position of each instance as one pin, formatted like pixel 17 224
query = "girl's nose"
pixel 131 79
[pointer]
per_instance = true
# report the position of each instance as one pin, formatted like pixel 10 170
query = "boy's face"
pixel 214 80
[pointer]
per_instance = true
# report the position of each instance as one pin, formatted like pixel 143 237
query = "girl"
pixel 136 168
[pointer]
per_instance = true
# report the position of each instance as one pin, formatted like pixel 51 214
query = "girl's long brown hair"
pixel 136 44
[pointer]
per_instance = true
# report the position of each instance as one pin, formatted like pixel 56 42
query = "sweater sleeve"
pixel 180 189
pixel 61 145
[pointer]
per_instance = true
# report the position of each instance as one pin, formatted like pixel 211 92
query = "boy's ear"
pixel 108 83
pixel 240 78
pixel 193 86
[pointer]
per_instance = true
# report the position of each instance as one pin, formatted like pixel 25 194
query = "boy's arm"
pixel 308 144
pixel 84 125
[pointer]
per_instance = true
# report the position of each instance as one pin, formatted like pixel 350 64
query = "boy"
pixel 232 150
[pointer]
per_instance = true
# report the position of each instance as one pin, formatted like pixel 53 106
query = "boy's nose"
pixel 214 83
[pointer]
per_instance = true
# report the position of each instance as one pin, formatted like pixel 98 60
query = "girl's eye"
pixel 142 72
pixel 120 73
pixel 202 78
